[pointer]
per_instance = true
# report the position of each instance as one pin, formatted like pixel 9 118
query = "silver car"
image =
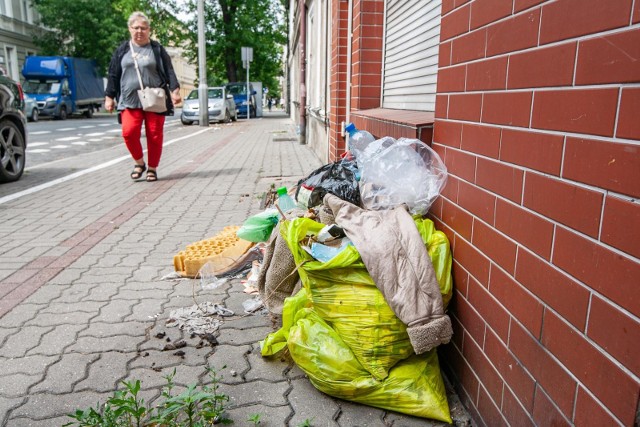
pixel 222 108
pixel 31 109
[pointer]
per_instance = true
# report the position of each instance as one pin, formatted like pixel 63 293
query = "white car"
pixel 222 108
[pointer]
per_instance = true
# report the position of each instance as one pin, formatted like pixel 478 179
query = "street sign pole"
pixel 247 57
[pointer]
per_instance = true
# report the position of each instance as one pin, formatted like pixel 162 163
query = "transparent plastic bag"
pixel 208 278
pixel 407 171
pixel 366 152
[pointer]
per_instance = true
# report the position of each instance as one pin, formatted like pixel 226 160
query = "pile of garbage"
pixel 358 277
pixel 361 279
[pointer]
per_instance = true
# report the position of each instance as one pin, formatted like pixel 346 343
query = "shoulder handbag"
pixel 153 99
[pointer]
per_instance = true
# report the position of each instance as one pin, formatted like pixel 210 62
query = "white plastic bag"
pixel 408 172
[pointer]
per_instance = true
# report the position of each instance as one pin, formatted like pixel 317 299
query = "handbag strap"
pixel 135 61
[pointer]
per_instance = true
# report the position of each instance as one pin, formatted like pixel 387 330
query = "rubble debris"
pixel 174 346
pixel 211 339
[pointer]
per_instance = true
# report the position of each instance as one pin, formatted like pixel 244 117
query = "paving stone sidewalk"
pixel 84 303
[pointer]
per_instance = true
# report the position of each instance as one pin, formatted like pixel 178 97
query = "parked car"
pixel 31 109
pixel 222 108
pixel 13 134
pixel 239 92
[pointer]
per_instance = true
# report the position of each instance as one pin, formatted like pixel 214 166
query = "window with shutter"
pixel 411 40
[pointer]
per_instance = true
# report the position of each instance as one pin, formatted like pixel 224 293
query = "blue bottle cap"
pixel 350 128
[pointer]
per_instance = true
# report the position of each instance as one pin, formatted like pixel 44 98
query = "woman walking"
pixel 156 70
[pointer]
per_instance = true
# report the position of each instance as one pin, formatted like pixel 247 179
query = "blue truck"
pixel 63 85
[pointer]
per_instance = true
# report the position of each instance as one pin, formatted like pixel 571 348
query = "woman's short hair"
pixel 138 16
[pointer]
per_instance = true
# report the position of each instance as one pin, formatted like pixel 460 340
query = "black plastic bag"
pixel 338 178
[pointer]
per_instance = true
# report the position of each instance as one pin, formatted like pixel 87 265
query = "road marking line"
pixel 68 138
pixel 40 132
pixel 37 144
pixel 78 174
pixel 64 129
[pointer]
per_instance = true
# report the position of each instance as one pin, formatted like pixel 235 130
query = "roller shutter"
pixel 412 37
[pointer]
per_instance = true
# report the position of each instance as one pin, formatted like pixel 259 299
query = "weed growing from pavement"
pixel 255 419
pixel 197 406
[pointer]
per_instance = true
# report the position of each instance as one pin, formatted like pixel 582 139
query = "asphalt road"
pixel 51 140
pixel 57 149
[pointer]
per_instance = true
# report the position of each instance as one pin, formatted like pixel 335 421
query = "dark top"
pixel 163 66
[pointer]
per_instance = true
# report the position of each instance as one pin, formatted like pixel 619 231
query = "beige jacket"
pixel 397 260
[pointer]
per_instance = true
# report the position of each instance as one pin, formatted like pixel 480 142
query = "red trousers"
pixel 132 129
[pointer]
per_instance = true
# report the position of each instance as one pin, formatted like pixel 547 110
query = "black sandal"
pixel 138 170
pixel 152 175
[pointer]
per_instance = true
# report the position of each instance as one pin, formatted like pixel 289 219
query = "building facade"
pixel 534 106
pixel 17 23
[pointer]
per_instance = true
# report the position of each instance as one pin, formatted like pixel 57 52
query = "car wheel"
pixel 234 118
pixel 35 115
pixel 227 116
pixel 63 113
pixel 186 122
pixel 12 152
pixel 89 113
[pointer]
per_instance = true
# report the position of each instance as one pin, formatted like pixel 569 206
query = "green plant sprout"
pixel 255 419
pixel 195 407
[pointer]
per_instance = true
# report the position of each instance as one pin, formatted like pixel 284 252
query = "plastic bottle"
pixel 358 139
pixel 285 202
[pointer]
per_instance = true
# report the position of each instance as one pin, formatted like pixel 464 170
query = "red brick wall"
pixel 366 54
pixel 338 78
pixel 366 63
pixel 538 121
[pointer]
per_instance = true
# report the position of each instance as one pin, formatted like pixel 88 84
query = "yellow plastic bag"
pixel 344 295
pixel 341 332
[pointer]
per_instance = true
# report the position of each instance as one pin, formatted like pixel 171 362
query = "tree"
pixel 93 29
pixel 232 24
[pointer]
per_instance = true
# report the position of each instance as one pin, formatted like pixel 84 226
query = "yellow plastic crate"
pixel 222 251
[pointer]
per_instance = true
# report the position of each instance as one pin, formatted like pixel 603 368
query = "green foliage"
pixel 81 28
pixel 232 24
pixel 306 423
pixel 194 407
pixel 93 29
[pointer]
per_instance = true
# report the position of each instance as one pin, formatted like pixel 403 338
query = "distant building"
pixel 17 23
pixel 185 72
